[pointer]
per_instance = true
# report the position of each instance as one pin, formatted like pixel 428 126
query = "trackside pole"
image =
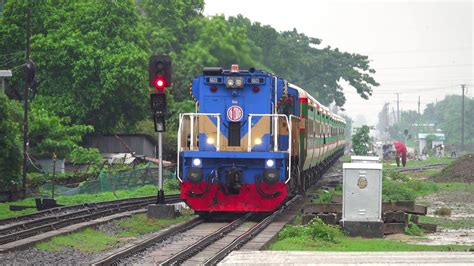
pixel 159 70
pixel 161 194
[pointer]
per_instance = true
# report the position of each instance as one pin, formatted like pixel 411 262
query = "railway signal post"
pixel 159 70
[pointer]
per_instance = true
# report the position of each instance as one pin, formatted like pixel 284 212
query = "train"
pixel 253 141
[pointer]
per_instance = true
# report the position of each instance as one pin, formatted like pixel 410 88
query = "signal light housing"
pixel 159 71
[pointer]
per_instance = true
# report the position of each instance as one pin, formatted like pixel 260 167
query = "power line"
pixel 418 51
pixel 417 67
pixel 405 82
pixel 20 52
pixel 417 89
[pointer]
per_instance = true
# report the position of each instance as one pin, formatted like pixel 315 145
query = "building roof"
pixel 436 136
pixel 145 136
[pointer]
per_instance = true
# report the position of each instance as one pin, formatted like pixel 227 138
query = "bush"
pixel 400 187
pixel 171 184
pixel 443 211
pixel 414 230
pixel 316 229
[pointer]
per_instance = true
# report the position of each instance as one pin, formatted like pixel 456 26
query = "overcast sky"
pixel 418 48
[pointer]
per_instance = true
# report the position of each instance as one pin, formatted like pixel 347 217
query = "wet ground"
pixel 459 201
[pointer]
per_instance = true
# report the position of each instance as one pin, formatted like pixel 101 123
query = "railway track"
pixel 26 226
pixel 198 241
pixel 338 177
pixel 421 168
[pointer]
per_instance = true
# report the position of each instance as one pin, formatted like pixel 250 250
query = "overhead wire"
pixel 419 67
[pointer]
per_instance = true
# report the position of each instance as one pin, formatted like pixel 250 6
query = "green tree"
pixel 10 144
pixel 52 134
pixel 92 56
pixel 81 155
pixel 295 56
pixel 446 115
pixel 361 141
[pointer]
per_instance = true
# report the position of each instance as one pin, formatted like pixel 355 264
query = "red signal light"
pixel 160 83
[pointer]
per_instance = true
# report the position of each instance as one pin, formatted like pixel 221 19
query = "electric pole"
pixel 25 103
pixel 418 105
pixel 419 116
pixel 463 86
pixel 398 107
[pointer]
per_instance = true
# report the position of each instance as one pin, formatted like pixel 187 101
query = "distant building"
pixel 436 139
pixel 139 144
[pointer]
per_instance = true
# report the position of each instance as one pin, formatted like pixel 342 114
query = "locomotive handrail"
pixel 289 141
pixel 191 144
pixel 275 137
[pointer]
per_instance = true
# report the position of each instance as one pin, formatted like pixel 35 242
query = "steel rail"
pixel 128 251
pixel 204 242
pixel 67 208
pixel 51 223
pixel 248 235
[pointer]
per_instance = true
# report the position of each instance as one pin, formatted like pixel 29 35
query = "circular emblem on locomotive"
pixel 362 182
pixel 235 113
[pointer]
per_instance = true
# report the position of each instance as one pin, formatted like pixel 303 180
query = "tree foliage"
pixel 295 56
pixel 52 134
pixel 444 115
pixel 92 56
pixel 10 144
pixel 361 141
pixel 81 155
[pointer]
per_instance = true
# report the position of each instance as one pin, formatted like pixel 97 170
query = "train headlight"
pixel 194 175
pixel 210 141
pixel 239 82
pixel 197 162
pixel 230 82
pixel 270 163
pixel 271 176
pixel 258 141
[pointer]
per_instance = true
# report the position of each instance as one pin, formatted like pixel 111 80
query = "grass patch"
pixel 356 244
pixel 414 230
pixel 140 224
pixel 316 229
pixel 148 190
pixel 345 159
pixel 447 222
pixel 318 236
pixel 430 173
pixel 399 186
pixel 325 196
pixel 390 164
pixel 456 186
pixel 87 240
pixel 93 240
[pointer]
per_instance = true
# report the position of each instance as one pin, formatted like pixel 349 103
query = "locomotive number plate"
pixel 235 113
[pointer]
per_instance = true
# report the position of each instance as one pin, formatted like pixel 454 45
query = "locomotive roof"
pixel 313 102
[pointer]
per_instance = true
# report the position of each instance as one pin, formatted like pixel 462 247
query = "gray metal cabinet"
pixel 362 192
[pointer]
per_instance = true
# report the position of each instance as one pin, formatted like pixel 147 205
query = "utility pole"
pixel 419 105
pixel 463 86
pixel 419 115
pixel 398 107
pixel 25 103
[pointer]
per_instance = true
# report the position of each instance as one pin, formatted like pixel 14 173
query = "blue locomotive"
pixel 253 140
